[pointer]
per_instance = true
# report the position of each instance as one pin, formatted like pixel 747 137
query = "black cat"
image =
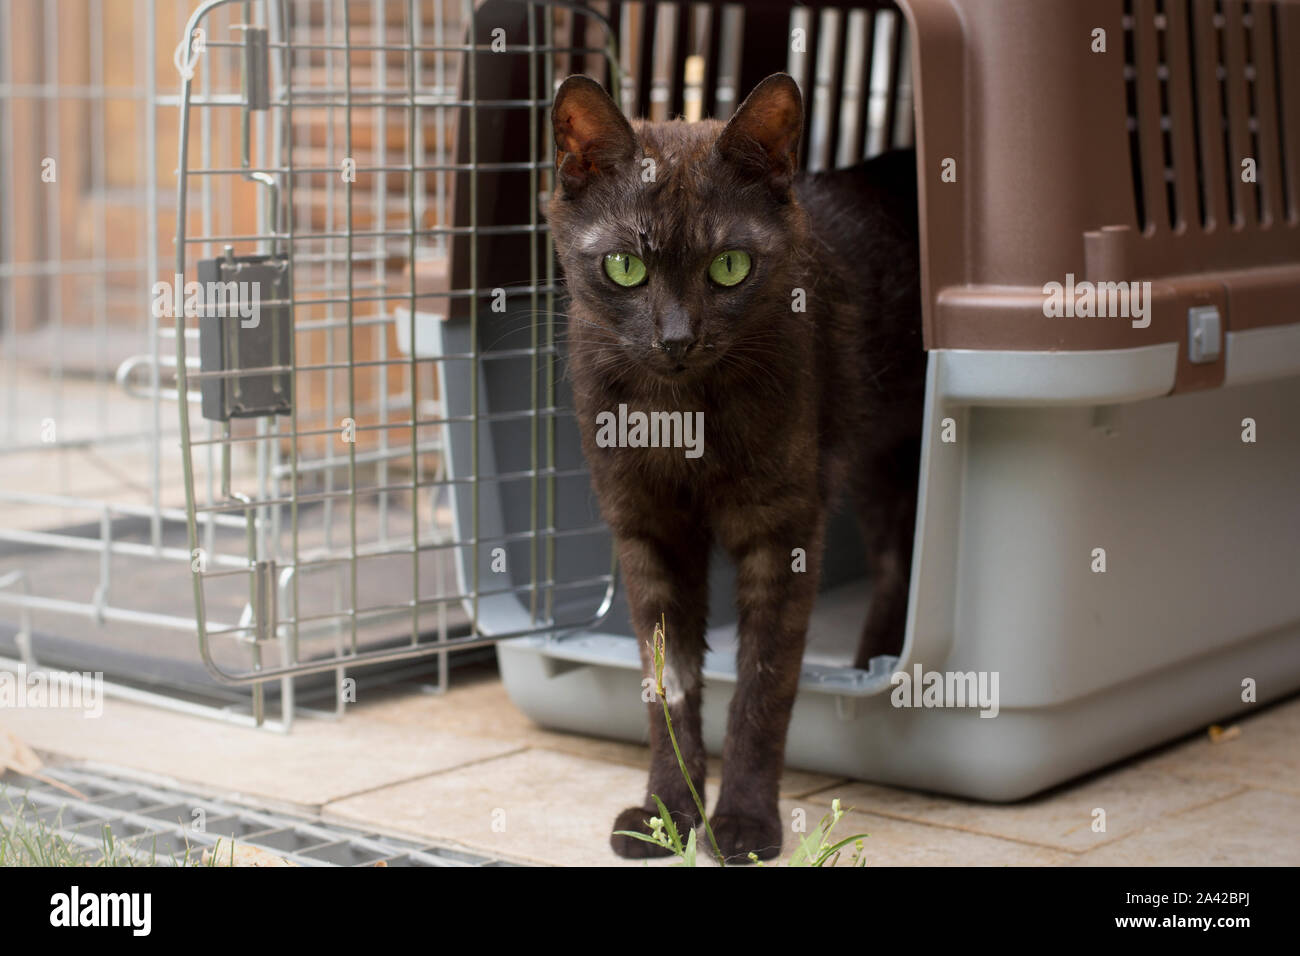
pixel 706 275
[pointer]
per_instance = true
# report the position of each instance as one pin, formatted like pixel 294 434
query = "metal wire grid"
pixel 78 252
pixel 155 823
pixel 344 273
pixel 34 275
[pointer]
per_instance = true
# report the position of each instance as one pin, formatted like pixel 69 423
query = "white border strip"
pixel 1257 355
pixel 1104 377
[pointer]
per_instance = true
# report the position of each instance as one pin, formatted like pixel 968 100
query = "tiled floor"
pixel 468 768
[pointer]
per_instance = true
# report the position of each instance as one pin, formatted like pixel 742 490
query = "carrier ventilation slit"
pixel 1194 86
pixel 1289 200
pixel 1269 124
pixel 1170 172
pixel 1225 115
pixel 1134 134
pixel 1250 77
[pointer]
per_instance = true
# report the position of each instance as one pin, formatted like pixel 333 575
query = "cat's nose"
pixel 677 345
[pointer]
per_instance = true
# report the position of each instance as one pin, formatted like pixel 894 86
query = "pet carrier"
pixel 1108 542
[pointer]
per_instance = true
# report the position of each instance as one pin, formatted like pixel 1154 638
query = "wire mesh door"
pixel 375 394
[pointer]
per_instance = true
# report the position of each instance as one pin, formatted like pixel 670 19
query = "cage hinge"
pixel 265 613
pixel 257 69
pixel 259 622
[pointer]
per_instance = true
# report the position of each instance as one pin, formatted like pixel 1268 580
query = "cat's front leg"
pixel 776 584
pixel 665 568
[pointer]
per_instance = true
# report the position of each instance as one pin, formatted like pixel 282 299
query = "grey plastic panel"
pixel 1202 538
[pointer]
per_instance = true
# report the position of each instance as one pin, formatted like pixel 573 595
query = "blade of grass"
pixel 657 653
pixel 688 858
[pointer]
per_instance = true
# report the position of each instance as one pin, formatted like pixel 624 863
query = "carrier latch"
pixel 1204 334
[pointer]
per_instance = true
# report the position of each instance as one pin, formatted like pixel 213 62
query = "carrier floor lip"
pixel 827 663
pixel 148 819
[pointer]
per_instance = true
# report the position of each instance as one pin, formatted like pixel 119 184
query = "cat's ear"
pixel 762 138
pixel 592 136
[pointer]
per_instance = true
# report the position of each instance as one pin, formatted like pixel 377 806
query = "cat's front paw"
pixel 635 819
pixel 740 835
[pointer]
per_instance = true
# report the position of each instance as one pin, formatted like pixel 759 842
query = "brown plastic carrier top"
pixel 1112 166
pixel 1099 141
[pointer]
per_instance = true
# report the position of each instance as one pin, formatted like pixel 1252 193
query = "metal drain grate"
pixel 158 822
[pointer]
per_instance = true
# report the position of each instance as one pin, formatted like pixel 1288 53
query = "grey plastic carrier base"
pixel 1052 456
pixel 592 685
pixel 1201 591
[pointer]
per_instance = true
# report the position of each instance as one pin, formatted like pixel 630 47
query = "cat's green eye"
pixel 730 268
pixel 626 270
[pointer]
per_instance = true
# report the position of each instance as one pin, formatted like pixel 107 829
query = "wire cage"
pixel 92 556
pixel 106 479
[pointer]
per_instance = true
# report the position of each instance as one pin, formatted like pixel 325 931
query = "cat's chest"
pixel 694 448
pixel 669 440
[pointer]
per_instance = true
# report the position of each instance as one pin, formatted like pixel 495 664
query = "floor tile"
pixel 1064 818
pixel 1265 754
pixel 319 762
pixel 536 805
pixel 892 842
pixel 1253 828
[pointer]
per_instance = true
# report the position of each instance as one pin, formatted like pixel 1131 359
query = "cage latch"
pixel 245 336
